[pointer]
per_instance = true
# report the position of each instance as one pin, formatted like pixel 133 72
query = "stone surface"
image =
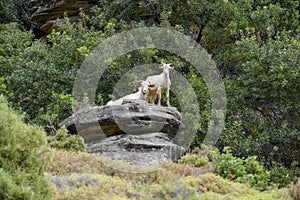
pixel 46 13
pixel 133 117
pixel 145 150
pixel 136 132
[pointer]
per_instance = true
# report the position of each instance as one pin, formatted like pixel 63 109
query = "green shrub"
pixel 38 78
pixel 281 175
pixel 193 160
pixel 246 170
pixel 213 183
pixel 211 187
pixel 263 108
pixel 64 141
pixel 23 159
pixel 13 11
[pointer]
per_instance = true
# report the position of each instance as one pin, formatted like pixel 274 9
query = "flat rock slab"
pixel 133 117
pixel 143 150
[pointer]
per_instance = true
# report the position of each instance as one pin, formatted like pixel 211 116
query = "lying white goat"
pixel 159 83
pixel 142 93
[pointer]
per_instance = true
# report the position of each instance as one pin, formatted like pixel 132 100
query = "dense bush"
pixel 61 140
pixel 263 113
pixel 247 170
pixel 13 11
pixel 193 160
pixel 39 78
pixel 23 158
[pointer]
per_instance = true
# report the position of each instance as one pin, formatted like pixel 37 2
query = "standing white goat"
pixel 142 93
pixel 159 83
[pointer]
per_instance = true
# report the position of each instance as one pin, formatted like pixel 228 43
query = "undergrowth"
pixel 23 158
pixel 85 176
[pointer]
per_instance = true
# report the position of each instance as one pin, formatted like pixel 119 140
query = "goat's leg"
pixel 148 98
pixel 153 99
pixel 152 94
pixel 159 97
pixel 168 97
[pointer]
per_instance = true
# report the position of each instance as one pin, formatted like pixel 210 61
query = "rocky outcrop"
pixel 146 149
pixel 137 132
pixel 46 13
pixel 134 117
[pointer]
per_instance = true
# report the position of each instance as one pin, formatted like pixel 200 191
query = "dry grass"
pixel 85 176
pixel 294 190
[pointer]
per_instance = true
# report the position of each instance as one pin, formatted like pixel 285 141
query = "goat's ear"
pixel 171 66
pixel 138 83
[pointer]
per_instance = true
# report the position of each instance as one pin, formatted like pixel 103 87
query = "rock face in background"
pixel 45 13
pixel 137 132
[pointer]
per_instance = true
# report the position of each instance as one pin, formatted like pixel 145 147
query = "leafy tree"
pixel 39 78
pixel 264 108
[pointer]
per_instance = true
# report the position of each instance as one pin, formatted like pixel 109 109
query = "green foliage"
pixel 39 78
pixel 281 175
pixel 61 140
pixel 247 170
pixel 81 175
pixel 2 86
pixel 12 11
pixel 263 105
pixel 193 160
pixel 23 159
pixel 213 187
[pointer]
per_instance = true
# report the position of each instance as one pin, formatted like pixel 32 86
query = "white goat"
pixel 142 93
pixel 159 83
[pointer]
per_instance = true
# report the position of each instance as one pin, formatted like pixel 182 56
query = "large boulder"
pixel 144 150
pixel 134 117
pixel 137 132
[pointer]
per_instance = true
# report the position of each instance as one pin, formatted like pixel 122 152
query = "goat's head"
pixel 166 67
pixel 144 86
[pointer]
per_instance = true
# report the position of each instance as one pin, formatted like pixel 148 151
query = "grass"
pixel 85 176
